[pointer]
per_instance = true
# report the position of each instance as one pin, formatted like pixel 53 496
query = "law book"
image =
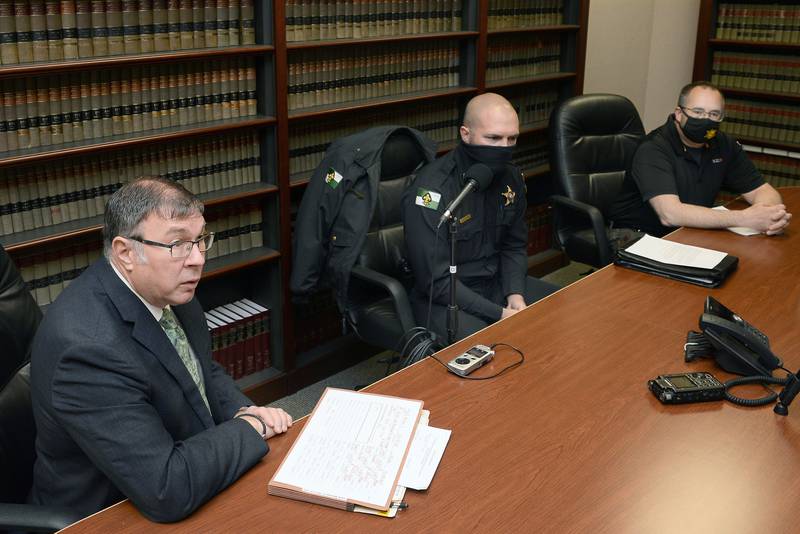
pixel 198 26
pixel 6 226
pixel 131 33
pixel 99 28
pixel 114 28
pixel 38 30
pixel 223 24
pixel 173 25
pixel 214 327
pixel 291 23
pixel 248 22
pixel 58 97
pixel 245 351
pixel 83 28
pixel 54 36
pixel 210 23
pixel 234 23
pixel 161 40
pixel 185 24
pixel 24 38
pixel 229 346
pixel 8 34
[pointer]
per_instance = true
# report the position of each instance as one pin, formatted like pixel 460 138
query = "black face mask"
pixel 494 157
pixel 700 130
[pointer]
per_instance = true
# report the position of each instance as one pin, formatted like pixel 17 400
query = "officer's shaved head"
pixel 490 119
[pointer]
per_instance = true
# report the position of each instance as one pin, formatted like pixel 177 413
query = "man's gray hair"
pixel 136 200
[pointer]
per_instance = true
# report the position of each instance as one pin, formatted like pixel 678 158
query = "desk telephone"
pixel 739 347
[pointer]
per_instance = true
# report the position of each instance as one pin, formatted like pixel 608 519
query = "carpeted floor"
pixel 302 402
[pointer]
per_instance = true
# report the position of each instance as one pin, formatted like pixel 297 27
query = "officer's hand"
pixel 516 302
pixel 508 312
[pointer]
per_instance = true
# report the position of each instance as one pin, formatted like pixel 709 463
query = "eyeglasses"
pixel 181 249
pixel 699 113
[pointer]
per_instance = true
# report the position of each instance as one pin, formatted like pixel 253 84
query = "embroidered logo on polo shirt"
pixel 716 160
pixel 427 199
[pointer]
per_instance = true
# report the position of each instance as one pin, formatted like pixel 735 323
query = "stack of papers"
pixel 687 263
pixel 359 452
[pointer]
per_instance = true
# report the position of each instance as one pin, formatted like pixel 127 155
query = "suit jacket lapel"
pixel 152 337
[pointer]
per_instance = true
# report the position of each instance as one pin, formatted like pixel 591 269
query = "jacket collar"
pixel 148 333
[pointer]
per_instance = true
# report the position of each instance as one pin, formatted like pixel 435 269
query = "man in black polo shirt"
pixel 680 167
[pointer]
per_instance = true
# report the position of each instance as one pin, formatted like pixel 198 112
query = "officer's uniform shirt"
pixel 662 165
pixel 492 236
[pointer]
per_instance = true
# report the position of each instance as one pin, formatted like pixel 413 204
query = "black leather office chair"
pixel 592 141
pixel 380 311
pixel 19 318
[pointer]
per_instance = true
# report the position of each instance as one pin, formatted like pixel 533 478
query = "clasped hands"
pixel 771 219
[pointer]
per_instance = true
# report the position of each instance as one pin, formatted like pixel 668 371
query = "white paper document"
pixel 741 230
pixel 352 447
pixel 423 458
pixel 676 253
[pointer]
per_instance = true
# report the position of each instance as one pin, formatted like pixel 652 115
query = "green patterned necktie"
pixel 178 338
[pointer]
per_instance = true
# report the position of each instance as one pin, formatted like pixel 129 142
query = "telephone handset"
pixel 739 346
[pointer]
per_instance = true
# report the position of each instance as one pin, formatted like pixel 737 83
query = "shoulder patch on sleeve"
pixel 427 198
pixel 332 178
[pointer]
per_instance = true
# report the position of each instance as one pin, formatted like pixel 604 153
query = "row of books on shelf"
pixel 313 20
pixel 505 14
pixel 308 141
pixel 45 111
pixel 778 171
pixel 758 72
pixel 776 22
pixel 529 155
pixel 55 30
pixel 762 121
pixel 438 120
pixel 316 322
pixel 324 77
pixel 47 273
pixel 38 196
pixel 539 218
pixel 240 337
pixel 512 57
pixel 236 229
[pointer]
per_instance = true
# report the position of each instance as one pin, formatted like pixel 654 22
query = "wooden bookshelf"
pixel 262 274
pixel 105 62
pixel 708 43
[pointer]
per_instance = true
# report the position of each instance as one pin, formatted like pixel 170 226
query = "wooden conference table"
pixel 572 440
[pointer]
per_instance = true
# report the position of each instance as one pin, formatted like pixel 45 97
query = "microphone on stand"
pixel 478 176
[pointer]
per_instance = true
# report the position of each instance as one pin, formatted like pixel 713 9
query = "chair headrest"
pixel 20 318
pixel 400 157
pixel 596 114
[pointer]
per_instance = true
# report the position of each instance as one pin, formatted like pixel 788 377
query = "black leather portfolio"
pixel 702 277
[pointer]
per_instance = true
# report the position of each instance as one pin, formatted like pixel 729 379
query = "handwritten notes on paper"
pixel 352 448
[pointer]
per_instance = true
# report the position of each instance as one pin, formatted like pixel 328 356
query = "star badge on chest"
pixel 509 195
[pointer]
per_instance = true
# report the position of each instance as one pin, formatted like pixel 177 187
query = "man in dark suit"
pixel 126 398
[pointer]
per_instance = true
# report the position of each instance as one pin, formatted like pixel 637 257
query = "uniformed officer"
pixel 492 234
pixel 680 167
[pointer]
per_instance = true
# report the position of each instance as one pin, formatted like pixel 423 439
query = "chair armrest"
pixel 35 518
pixel 394 288
pixel 595 218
